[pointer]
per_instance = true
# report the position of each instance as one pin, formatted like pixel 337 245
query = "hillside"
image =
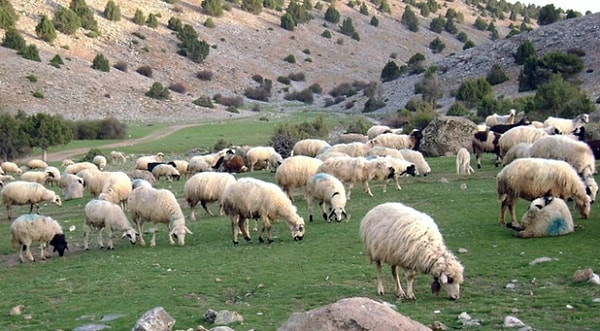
pixel 243 45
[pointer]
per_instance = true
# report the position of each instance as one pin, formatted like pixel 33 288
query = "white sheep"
pixel 294 171
pixel 346 138
pixel 11 168
pixel 401 168
pixel 403 237
pixel 181 166
pixel 53 175
pixel 309 147
pixel 377 130
pixel 518 151
pixel 328 154
pixel 67 162
pixel 79 166
pixel 206 187
pixel 142 162
pixel 35 176
pixel 167 171
pixel 93 179
pixel 27 193
pixel 100 161
pixel 495 119
pixel 101 214
pixel 565 125
pixel 5 178
pixel 330 193
pixel 357 169
pixel 116 188
pixel 392 140
pixel 116 156
pixel 546 216
pixel 385 151
pixel 36 164
pixel 263 154
pixel 530 178
pixel 519 134
pixel 157 206
pixel 355 149
pixel 72 186
pixel 30 228
pixel 198 164
pixel 211 160
pixel 418 160
pixel 463 162
pixel 485 141
pixel 253 198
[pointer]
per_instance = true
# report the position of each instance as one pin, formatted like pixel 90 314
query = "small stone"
pixel 582 275
pixel 512 322
pixel 27 317
pixel 569 307
pixel 463 186
pixel 463 250
pixel 16 310
pixel 510 286
pixel 437 325
pixel 218 280
pixel 594 279
pixel 540 260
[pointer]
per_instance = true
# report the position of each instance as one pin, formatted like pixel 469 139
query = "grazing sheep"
pixel 116 156
pixel 403 237
pixel 401 168
pixel 397 141
pixel 565 125
pixel 254 198
pixel 546 216
pixel 11 168
pixel 72 186
pixel 142 162
pixel 141 174
pixel 234 164
pixel 67 162
pixel 294 171
pixel 5 178
pixel 79 166
pixel 463 162
pixel 116 188
pixel 346 138
pixel 385 151
pixel 93 180
pixel 264 154
pixel 206 187
pixel 518 151
pixel 181 166
pixel 36 164
pixel 309 147
pixel 53 175
pixel 486 142
pixel 157 206
pixel 418 160
pixel 99 161
pixel 501 128
pixel 530 178
pixel 213 160
pixel 495 119
pixel 100 214
pixel 352 149
pixel 519 134
pixel 30 228
pixel 198 164
pixel 330 193
pixel 327 154
pixel 27 193
pixel 377 130
pixel 167 171
pixel 357 169
pixel 35 176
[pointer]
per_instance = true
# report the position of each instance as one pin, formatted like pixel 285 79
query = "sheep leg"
pixel 513 214
pixel 27 248
pixel 366 188
pixel 110 239
pixel 140 227
pixel 309 203
pixel 478 158
pixel 410 277
pixel 8 213
pixel 399 291
pixel 234 229
pixel 266 227
pixel 86 232
pixel 192 212
pixel 99 237
pixel 503 206
pixel 380 290
pixel 350 187
pixel 203 203
pixel 243 226
pixel 324 212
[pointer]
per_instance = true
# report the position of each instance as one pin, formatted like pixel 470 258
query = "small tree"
pixel 437 45
pixel 45 30
pixel 152 21
pixel 288 22
pixel 47 130
pixel 252 6
pixel 374 21
pixel 13 40
pixel 8 15
pixel 138 17
pixel 390 72
pixel 332 15
pixel 101 63
pixel 85 15
pixel 364 9
pixel 56 61
pixel 496 75
pixel 112 11
pixel 66 21
pixel 212 7
pixel 548 15
pixel 437 24
pixel 347 27
pixel 410 20
pixel 157 91
pixel 30 52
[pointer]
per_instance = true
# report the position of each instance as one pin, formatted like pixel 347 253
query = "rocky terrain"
pixel 244 45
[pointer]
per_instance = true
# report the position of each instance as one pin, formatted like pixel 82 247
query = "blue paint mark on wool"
pixel 557 226
pixel 320 176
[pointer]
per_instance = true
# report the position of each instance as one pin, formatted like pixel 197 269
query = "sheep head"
pixel 59 243
pixel 179 233
pixel 131 234
pixel 298 228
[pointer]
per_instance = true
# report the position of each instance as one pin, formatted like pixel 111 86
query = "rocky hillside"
pixel 244 45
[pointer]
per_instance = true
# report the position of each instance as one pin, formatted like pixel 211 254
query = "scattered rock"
pixel 463 250
pixel 512 322
pixel 226 317
pixel 594 279
pixel 540 260
pixel 465 319
pixel 222 328
pixel 156 319
pixel 447 134
pixel 463 186
pixel 569 307
pixel 437 325
pixel 92 327
pixel 16 310
pixel 210 316
pixel 111 317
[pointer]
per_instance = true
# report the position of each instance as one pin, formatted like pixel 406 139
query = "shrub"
pixel 457 109
pixel 177 87
pixel 468 44
pixel 285 136
pixel 121 65
pixel 290 59
pixel 374 21
pixel 258 78
pixel 66 21
pixel 112 11
pixel 471 91
pixel 56 61
pixel 13 40
pixel 174 24
pixel 480 24
pixel 232 109
pixel 288 22
pixel 297 77
pixel 326 34
pixel 209 23
pixel 304 96
pixel 144 71
pixel 437 24
pixel 212 7
pixel 37 94
pixel 284 80
pixel 205 75
pixel 32 78
pixel 347 27
pixel 231 101
pixel 525 50
pixel 30 52
pixel 252 6
pixel 45 30
pixel 204 101
pixel 496 75
pixel 139 35
pixel 157 91
pixel 410 20
pixel 152 21
pixel 342 89
pixel 316 88
pixel 437 45
pixel 85 15
pixel 390 72
pixel 576 51
pixel 101 63
pixel 332 15
pixel 89 156
pixel 259 93
pixel 138 17
pixel 462 36
pixel 8 15
pixel 109 128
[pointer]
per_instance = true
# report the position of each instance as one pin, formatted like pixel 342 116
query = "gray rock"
pixel 156 319
pixel 445 135
pixel 210 316
pixel 91 327
pixel 225 317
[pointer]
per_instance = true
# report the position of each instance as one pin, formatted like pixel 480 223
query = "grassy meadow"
pixel 266 283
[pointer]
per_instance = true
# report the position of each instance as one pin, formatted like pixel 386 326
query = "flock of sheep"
pixel 547 169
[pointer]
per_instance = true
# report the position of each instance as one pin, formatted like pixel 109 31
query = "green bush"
pixel 390 72
pixel 212 7
pixel 85 15
pixel 152 21
pixel 374 21
pixel 468 44
pixel 112 11
pixel 496 75
pixel 13 40
pixel 30 52
pixel 304 96
pixel 144 71
pixel 288 22
pixel 8 15
pixel 66 20
pixel 472 91
pixel 286 135
pixel 205 75
pixel 252 6
pixel 458 109
pixel 178 87
pixel 410 20
pixel 326 34
pixel 121 66
pixel 56 61
pixel 101 63
pixel 109 128
pixel 204 101
pixel 332 15
pixel 139 18
pixel 480 24
pixel 45 30
pixel 32 78
pixel 209 23
pixel 37 94
pixel 174 24
pixel 437 45
pixel 157 91
pixel 284 80
pixel 290 59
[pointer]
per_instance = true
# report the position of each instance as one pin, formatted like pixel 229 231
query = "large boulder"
pixel 352 314
pixel 445 135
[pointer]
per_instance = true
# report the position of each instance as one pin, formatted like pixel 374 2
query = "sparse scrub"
pixel 112 11
pixel 326 34
pixel 152 21
pixel 174 24
pixel 178 87
pixel 56 61
pixel 139 18
pixel 235 102
pixel 37 94
pixel 13 40
pixel 297 77
pixel 496 75
pixel 205 75
pixel 32 78
pixel 284 80
pixel 209 23
pixel 212 7
pixel 290 59
pixel 121 66
pixel 45 30
pixel 204 101
pixel 101 63
pixel 30 52
pixel 144 71
pixel 157 91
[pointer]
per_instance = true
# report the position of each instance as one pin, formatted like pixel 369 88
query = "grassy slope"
pixel 267 283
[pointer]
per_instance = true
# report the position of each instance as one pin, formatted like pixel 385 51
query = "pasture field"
pixel 266 283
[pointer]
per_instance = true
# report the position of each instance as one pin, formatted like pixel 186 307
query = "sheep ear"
pixel 443 279
pixel 334 194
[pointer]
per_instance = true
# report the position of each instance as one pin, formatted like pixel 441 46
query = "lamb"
pixel 463 162
pixel 495 119
pixel 329 193
pixel 101 214
pixel 36 164
pixel 167 171
pixel 518 151
pixel 530 178
pixel 398 141
pixel 142 162
pixel 206 187
pixel 27 193
pixel 141 174
pixel 294 171
pixel 116 156
pixel 418 160
pixel 565 125
pixel 485 142
pixel 377 130
pixel 116 188
pixel 72 186
pixel 99 161
pixel 198 165
pixel 546 216
pixel 264 154
pixel 309 147
pixel 11 168
pixel 254 198
pixel 357 169
pixel 79 166
pixel 157 206
pixel 30 228
pixel 403 237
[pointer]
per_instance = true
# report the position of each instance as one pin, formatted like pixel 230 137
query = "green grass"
pixel 266 283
